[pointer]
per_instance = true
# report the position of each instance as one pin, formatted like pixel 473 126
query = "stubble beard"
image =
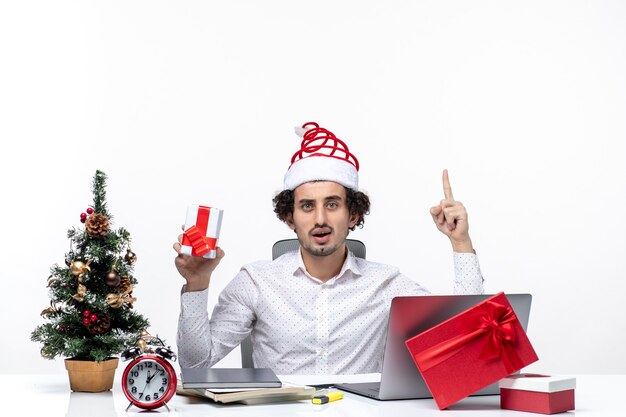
pixel 323 251
pixel 320 251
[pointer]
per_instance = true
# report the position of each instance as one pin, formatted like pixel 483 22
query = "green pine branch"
pixel 98 188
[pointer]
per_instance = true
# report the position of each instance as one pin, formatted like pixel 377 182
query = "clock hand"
pixel 155 374
pixel 145 386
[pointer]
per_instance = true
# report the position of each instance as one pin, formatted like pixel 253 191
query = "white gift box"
pixel 538 393
pixel 202 230
pixel 540 383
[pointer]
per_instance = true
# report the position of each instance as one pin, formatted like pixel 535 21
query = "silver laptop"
pixel 408 316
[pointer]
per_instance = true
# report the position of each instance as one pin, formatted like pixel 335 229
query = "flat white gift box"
pixel 538 393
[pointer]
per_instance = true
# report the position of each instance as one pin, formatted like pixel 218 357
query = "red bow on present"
pixel 494 323
pixel 200 243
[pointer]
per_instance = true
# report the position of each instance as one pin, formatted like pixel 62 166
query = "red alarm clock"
pixel 149 380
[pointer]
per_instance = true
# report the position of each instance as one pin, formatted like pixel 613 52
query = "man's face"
pixel 321 218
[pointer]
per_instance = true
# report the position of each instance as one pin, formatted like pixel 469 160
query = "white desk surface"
pixel 50 395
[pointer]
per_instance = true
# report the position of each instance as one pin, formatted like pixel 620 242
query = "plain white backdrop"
pixel 195 102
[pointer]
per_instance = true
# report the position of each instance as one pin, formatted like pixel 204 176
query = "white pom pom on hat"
pixel 322 157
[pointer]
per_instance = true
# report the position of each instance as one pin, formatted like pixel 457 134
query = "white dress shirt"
pixel 299 324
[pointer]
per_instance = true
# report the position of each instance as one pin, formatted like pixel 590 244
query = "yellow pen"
pixel 331 396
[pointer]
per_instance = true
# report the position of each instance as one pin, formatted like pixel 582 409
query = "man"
pixel 319 310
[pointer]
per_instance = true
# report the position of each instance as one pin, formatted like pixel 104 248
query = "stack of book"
pixel 240 385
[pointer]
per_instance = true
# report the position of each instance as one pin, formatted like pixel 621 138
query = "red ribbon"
pixel 494 323
pixel 196 235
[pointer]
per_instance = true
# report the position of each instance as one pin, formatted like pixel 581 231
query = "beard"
pixel 309 247
pixel 323 251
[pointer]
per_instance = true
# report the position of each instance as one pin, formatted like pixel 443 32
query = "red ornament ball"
pixel 86 321
pixel 83 220
pixel 62 329
pixel 93 318
pixel 83 216
pixel 86 313
pixel 89 210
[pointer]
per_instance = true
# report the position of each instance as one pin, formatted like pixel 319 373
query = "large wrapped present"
pixel 538 393
pixel 471 350
pixel 202 230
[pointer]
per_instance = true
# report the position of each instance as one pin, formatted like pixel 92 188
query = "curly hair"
pixel 357 201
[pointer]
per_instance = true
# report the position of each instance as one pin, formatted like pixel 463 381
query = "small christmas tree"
pixel 91 314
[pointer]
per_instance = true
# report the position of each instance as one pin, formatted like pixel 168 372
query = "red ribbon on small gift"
pixel 493 322
pixel 196 234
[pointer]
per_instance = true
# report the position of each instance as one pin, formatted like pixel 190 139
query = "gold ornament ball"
pixel 79 267
pixel 141 344
pixel 130 257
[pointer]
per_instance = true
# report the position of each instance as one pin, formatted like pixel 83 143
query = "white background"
pixel 195 102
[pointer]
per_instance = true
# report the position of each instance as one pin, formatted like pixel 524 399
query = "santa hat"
pixel 322 157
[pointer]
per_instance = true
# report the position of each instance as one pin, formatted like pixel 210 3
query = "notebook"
pixel 208 378
pixel 288 392
pixel 408 316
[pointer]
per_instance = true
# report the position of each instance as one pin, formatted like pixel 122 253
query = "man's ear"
pixel 354 218
pixel 289 221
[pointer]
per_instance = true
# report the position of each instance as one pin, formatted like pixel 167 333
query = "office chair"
pixel 281 247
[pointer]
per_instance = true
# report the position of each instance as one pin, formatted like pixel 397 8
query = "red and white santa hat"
pixel 322 157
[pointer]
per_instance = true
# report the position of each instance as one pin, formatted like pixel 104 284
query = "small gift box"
pixel 202 229
pixel 471 350
pixel 537 393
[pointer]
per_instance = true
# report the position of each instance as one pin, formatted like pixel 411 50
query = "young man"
pixel 319 310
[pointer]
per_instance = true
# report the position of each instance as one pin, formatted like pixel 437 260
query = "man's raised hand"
pixel 196 270
pixel 450 217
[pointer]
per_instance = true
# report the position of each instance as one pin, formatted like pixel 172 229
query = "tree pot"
pixel 91 376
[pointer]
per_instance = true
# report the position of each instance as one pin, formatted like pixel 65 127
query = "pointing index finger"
pixel 447 190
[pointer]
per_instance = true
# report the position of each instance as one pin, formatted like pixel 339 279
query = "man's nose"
pixel 320 215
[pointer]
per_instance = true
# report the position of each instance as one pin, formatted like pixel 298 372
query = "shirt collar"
pixel 350 264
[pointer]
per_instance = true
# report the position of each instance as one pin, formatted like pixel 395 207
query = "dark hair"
pixel 358 203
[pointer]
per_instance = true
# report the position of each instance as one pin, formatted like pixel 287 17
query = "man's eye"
pixel 332 205
pixel 307 206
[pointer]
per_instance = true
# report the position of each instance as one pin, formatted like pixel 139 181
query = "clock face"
pixel 149 381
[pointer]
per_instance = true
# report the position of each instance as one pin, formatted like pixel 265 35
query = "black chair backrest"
pixel 287 245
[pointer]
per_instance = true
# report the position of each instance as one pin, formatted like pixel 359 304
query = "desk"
pixel 50 395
